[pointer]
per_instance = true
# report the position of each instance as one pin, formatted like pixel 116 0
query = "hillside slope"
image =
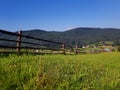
pixel 79 35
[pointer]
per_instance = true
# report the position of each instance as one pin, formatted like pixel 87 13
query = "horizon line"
pixel 63 30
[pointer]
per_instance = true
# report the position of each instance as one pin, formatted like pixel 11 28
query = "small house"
pixel 107 48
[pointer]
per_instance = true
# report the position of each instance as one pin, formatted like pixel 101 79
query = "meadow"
pixel 60 72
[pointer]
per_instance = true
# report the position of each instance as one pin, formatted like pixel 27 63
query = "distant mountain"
pixel 77 35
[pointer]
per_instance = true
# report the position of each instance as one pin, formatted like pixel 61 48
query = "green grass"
pixel 60 72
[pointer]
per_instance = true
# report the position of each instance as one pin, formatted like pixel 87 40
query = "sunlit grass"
pixel 60 72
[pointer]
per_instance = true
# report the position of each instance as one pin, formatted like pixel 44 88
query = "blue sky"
pixel 58 15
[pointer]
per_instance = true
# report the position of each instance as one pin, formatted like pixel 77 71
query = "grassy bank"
pixel 60 72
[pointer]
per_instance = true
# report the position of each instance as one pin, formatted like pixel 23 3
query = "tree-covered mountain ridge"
pixel 77 35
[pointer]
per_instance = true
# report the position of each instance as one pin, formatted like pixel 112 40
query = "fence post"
pixel 63 47
pixel 76 48
pixel 19 41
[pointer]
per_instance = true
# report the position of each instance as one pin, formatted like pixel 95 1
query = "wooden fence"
pixel 33 47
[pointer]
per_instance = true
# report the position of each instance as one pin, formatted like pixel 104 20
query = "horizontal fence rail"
pixel 20 45
pixel 21 41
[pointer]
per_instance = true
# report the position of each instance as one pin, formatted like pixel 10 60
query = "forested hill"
pixel 79 35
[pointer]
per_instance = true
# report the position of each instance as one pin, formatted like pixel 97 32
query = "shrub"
pixel 118 48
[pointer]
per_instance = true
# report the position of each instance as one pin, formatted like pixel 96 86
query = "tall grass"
pixel 60 72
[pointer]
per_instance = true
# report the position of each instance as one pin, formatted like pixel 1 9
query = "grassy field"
pixel 60 72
